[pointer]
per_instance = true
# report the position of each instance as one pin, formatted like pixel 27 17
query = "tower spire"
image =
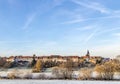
pixel 88 53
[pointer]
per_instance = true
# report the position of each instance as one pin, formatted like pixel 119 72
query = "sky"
pixel 64 27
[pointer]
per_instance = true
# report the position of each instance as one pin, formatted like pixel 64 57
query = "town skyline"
pixel 88 54
pixel 62 27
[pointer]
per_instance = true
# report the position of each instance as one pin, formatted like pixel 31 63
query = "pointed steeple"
pixel 88 54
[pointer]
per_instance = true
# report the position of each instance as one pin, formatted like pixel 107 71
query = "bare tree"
pixel 85 73
pixel 38 66
pixel 107 70
pixel 65 71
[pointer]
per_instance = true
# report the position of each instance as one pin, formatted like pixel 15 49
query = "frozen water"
pixel 56 82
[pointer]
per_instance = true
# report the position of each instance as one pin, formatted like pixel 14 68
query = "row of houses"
pixel 57 58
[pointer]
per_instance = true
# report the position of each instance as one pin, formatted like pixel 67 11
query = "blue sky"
pixel 65 27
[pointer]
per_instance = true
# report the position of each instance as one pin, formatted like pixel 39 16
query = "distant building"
pixel 91 59
pixel 58 58
pixel 10 59
pixel 16 59
pixel 87 56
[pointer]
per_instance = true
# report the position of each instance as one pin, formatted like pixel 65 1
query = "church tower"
pixel 88 54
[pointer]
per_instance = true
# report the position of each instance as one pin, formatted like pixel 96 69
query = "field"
pixel 56 82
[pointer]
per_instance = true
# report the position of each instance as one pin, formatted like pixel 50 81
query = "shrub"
pixel 107 70
pixel 11 75
pixel 27 76
pixel 38 66
pixel 62 73
pixel 85 73
pixel 8 65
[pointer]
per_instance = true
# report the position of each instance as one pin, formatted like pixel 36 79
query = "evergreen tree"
pixel 33 61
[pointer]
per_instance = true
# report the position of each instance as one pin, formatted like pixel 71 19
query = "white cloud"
pixel 88 27
pixel 109 30
pixel 29 21
pixel 117 34
pixel 92 5
pixel 73 21
pixel 91 36
pixel 41 9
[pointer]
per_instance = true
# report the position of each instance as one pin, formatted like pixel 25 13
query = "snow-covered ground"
pixel 27 73
pixel 56 82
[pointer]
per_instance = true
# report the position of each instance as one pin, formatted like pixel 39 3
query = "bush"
pixel 62 73
pixel 85 73
pixel 2 62
pixel 38 66
pixel 27 76
pixel 107 70
pixel 8 65
pixel 11 75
